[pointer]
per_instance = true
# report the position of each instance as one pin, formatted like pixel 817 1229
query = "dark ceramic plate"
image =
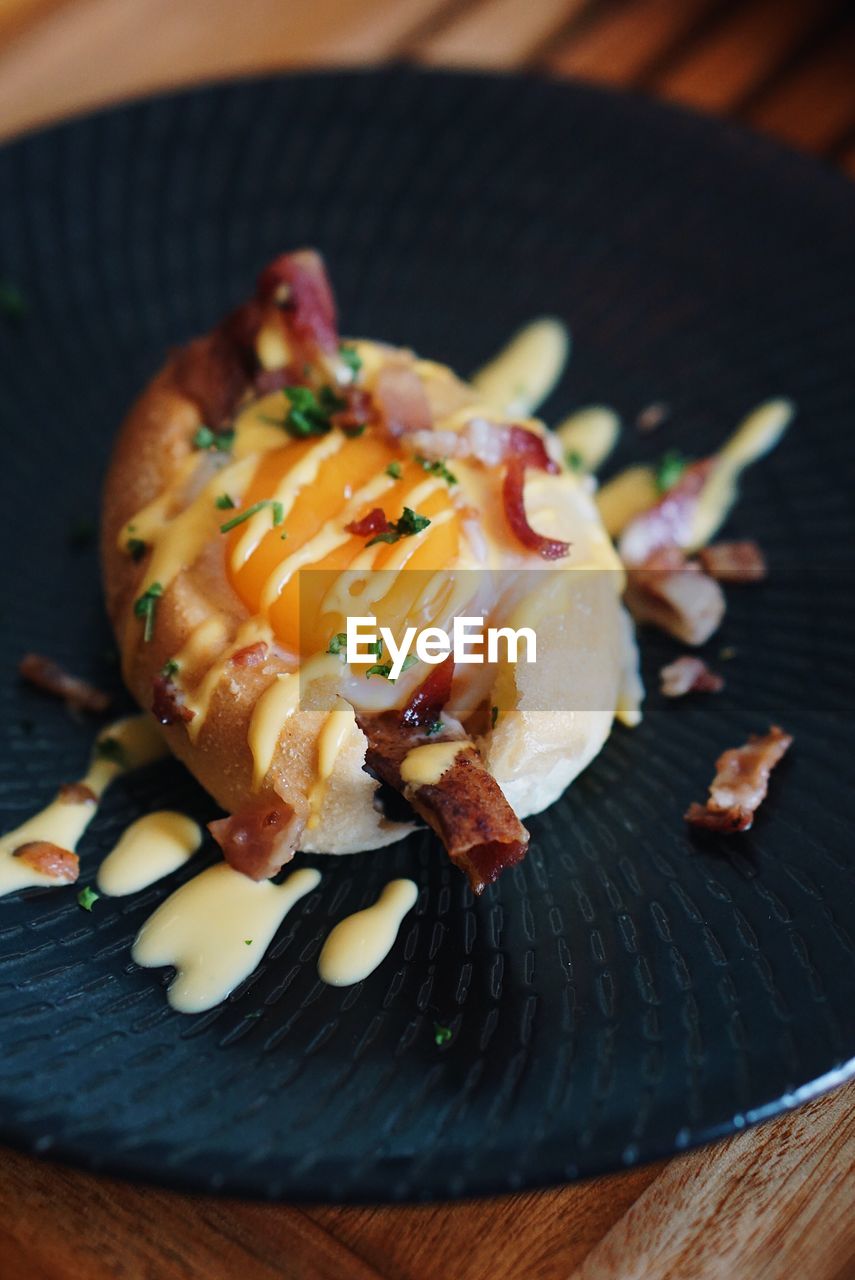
pixel 625 993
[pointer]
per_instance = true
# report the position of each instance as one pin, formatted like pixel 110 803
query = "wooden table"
pixel 774 1202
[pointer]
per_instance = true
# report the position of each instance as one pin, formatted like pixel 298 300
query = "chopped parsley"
pixel 437 467
pixel 436 726
pixel 351 357
pixel 146 606
pixel 111 749
pixel 337 642
pixel 384 669
pixel 221 441
pixel 225 503
pixel 410 522
pixel 136 548
pixel 574 460
pixel 169 669
pixel 309 413
pixel 441 1034
pixel 247 942
pixel 87 898
pixel 276 508
pixel 494 715
pixel 12 303
pixel 671 467
pixel 394 470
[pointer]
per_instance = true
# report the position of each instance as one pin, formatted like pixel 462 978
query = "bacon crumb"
pixel 77 793
pixel 688 675
pixel 50 860
pixel 734 561
pixel 672 593
pixel 740 784
pixel 369 526
pixel 431 696
pixel 251 656
pixel 166 702
pixel 653 416
pixel 50 677
pixel 259 840
pixel 513 489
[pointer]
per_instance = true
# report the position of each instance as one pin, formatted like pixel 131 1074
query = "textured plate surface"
pixel 626 992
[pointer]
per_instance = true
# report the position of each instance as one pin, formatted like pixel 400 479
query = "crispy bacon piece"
pixel 252 655
pixel 167 703
pixel 529 449
pixel 298 284
pixel 368 526
pixel 672 593
pixel 214 372
pixel 513 489
pixel 401 400
pixel 431 696
pixel 652 416
pixel 52 860
pixel 741 782
pixel 358 412
pixel 49 676
pixel 688 675
pixel 77 793
pixel 734 561
pixel 466 807
pixel 260 839
pixel 669 522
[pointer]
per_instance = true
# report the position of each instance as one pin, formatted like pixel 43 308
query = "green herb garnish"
pixel 146 606
pixel 671 467
pixel 574 460
pixel 309 414
pixel 436 727
pixel 441 1034
pixel 247 942
pixel 87 898
pixel 338 642
pixel 276 507
pixel 111 749
pixel 385 668
pixel 410 522
pixel 221 441
pixel 437 467
pixel 494 715
pixel 136 548
pixel 351 357
pixel 225 503
pixel 12 302
pixel 169 669
pixel 394 470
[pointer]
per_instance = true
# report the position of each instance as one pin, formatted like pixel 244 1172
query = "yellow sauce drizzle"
pixel 424 766
pixel 215 930
pixel 253 631
pixel 588 436
pixel 524 372
pixel 336 727
pixel 359 943
pixel 273 708
pixel 63 824
pixel 152 847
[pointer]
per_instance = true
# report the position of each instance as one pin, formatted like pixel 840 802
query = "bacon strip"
pixel 260 839
pixel 513 488
pixel 358 411
pixel 672 593
pixel 741 782
pixel 52 860
pixel 669 522
pixel 466 807
pixel 426 703
pixel 298 284
pixel 76 793
pixel 166 702
pixel 50 677
pixel 734 561
pixel 252 655
pixel 688 675
pixel 402 400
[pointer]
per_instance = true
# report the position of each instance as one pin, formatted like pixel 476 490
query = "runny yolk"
pixel 320 510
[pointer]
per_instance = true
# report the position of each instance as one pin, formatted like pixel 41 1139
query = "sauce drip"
pixel 127 744
pixel 152 847
pixel 521 376
pixel 359 943
pixel 424 766
pixel 215 930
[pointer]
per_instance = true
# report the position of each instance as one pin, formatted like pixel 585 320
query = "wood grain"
pixel 770 1204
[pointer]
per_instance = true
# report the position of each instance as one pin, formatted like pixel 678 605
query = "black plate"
pixel 626 992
